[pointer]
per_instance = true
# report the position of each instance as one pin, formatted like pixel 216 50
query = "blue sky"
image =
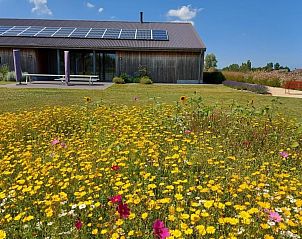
pixel 235 30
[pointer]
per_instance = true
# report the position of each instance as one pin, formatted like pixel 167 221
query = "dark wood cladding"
pixel 163 67
pixel 28 59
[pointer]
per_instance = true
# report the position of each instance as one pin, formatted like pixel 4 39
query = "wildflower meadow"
pixel 188 170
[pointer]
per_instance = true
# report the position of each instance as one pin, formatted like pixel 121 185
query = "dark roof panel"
pixel 182 36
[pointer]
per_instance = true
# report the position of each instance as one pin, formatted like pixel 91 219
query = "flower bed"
pixel 185 171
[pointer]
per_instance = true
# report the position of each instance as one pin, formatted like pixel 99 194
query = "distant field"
pixel 13 100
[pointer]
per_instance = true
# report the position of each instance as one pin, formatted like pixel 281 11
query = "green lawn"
pixel 13 100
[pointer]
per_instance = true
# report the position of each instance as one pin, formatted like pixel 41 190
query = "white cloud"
pixel 89 5
pixel 101 10
pixel 40 7
pixel 184 13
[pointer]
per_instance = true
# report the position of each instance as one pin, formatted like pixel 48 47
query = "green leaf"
pixel 295 144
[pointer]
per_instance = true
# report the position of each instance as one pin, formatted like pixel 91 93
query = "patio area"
pixel 59 85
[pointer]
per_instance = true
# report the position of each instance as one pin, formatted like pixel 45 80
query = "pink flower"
pixel 78 224
pixel 284 154
pixel 187 131
pixel 116 199
pixel 63 145
pixel 123 210
pixel 274 216
pixel 55 141
pixel 159 230
pixel 115 167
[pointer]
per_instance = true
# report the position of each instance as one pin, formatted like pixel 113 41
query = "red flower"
pixel 78 224
pixel 123 210
pixel 115 167
pixel 159 230
pixel 116 199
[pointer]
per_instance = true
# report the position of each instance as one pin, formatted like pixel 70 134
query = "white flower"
pixel 271 223
pixel 74 206
pixel 82 206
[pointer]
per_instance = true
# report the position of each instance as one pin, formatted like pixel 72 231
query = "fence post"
pixel 67 67
pixel 17 65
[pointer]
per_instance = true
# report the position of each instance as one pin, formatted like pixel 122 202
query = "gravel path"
pixel 281 92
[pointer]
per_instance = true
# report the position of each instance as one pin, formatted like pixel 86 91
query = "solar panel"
pixel 160 35
pixel 127 34
pixel 31 32
pixel 4 29
pixel 93 33
pixel 143 34
pixel 112 33
pixel 96 33
pixel 63 32
pixel 80 32
pixel 14 31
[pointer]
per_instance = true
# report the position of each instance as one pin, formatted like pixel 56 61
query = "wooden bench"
pixel 89 78
pixel 292 85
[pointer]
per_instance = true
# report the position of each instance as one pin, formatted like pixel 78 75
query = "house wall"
pixel 163 67
pixel 28 59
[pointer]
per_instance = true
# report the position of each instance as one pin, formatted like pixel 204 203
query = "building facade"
pixel 171 52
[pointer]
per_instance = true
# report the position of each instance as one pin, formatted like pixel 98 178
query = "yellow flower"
pixel 119 222
pixel 144 215
pixel 268 237
pixel 201 230
pixel 2 234
pixel 87 99
pixel 176 233
pixel 189 231
pixel 183 98
pixel 208 203
pixel 178 196
pixel 104 231
pixel 94 231
pixel 210 230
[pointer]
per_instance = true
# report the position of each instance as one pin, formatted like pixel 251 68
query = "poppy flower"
pixel 115 167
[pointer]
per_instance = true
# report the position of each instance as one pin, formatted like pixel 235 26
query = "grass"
pixel 13 100
pixel 6 82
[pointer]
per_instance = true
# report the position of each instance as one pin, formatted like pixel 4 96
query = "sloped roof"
pixel 182 36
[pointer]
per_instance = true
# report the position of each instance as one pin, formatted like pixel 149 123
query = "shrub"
pixel 126 77
pixel 233 76
pixel 213 77
pixel 145 80
pixel 260 78
pixel 118 80
pixel 259 89
pixel 142 71
pixel 4 69
pixel 11 76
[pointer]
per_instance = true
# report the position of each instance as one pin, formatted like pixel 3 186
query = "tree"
pixel 277 66
pixel 210 61
pixel 269 66
pixel 246 66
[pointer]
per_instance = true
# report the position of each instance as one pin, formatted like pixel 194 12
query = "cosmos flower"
pixel 284 154
pixel 123 210
pixel 159 230
pixel 78 224
pixel 55 142
pixel 274 216
pixel 116 199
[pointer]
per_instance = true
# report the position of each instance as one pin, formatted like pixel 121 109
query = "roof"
pixel 182 36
